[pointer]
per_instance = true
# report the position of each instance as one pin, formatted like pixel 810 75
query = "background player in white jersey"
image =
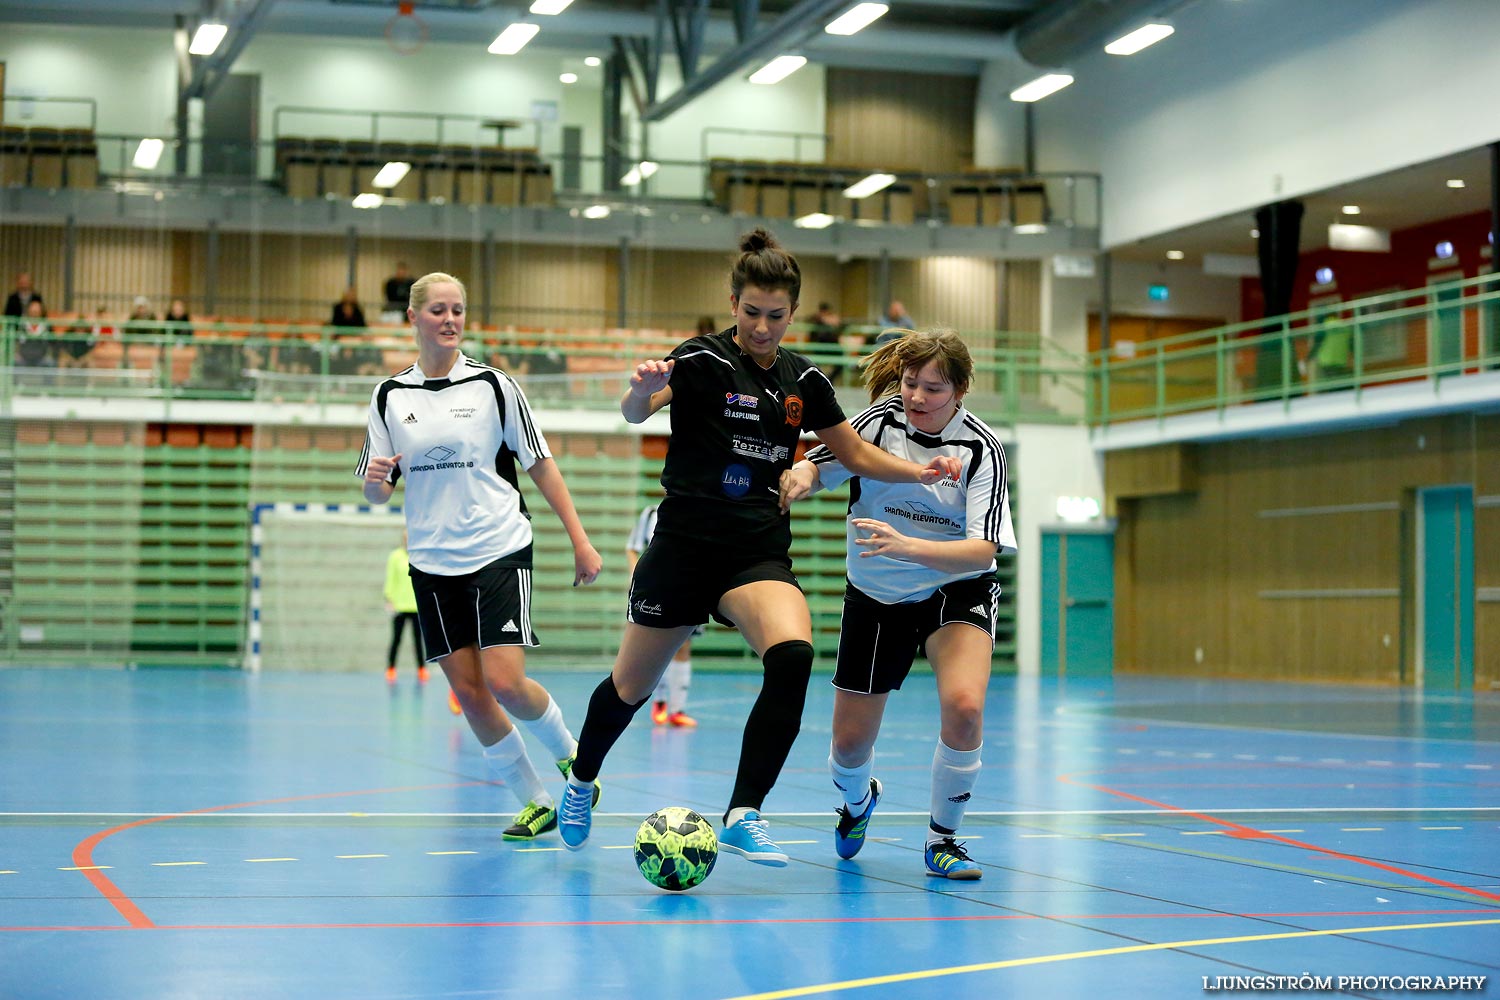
pixel 921 569
pixel 456 429
pixel 669 700
pixel 739 405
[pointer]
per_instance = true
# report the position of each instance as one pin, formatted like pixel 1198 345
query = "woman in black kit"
pixel 739 406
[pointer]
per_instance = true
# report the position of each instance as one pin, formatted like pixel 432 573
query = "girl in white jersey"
pixel 456 429
pixel 921 569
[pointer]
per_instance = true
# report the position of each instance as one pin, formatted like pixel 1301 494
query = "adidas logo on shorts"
pixel 509 626
pixel 978 609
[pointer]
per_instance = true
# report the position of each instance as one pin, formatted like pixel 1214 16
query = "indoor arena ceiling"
pixel 955 36
pixel 949 36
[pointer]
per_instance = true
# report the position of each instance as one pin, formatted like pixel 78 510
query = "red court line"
pixel 83 854
pixel 1250 833
pixel 775 921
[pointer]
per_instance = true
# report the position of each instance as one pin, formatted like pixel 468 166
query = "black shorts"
pixel 488 607
pixel 878 642
pixel 680 581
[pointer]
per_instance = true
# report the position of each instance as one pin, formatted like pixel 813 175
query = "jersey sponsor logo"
pixel 509 626
pixel 794 411
pixel 919 513
pixel 441 459
pixel 736 480
pixel 463 412
pixel 740 414
pixel 741 400
pixel 755 448
pixel 411 418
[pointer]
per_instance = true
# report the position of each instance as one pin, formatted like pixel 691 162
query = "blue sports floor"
pixel 179 834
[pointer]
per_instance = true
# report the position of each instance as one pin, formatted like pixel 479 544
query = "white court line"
pixel 350 857
pixel 1361 829
pixel 86 868
pixel 265 860
pixel 1440 828
pixel 821 814
pixel 438 854
pixel 175 864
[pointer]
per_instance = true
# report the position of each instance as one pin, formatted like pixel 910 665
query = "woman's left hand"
pixel 883 540
pixel 586 565
pixel 940 468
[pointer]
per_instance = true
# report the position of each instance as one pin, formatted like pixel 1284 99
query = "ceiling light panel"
pixel 514 38
pixel 778 69
pixel 856 18
pixel 1143 37
pixel 1041 87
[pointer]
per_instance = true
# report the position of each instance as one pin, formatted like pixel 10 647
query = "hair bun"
pixel 757 240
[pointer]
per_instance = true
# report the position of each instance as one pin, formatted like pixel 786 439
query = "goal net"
pixel 317 576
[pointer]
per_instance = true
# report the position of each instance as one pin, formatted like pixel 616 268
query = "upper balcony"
pixel 481 177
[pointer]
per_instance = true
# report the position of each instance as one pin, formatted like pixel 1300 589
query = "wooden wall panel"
pixel 1230 567
pixel 900 121
pixel 1023 293
pixel 960 293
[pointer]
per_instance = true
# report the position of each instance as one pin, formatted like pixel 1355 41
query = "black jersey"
pixel 735 427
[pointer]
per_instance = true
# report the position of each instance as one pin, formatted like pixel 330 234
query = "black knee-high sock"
pixel 774 722
pixel 607 718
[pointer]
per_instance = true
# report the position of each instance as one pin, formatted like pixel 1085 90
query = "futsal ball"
pixel 675 848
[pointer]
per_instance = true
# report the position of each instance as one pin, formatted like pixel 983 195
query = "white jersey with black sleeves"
pixel 640 535
pixel 459 439
pixel 974 506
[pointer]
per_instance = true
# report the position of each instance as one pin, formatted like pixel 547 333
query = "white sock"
pixel 852 782
pixel 508 762
pixel 663 690
pixel 953 775
pixel 679 676
pixel 553 732
pixel 736 814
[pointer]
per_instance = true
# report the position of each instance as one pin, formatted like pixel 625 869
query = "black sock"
pixel 774 722
pixel 607 718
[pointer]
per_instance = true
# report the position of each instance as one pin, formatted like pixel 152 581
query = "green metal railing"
pixel 1019 378
pixel 1430 333
pixel 1441 330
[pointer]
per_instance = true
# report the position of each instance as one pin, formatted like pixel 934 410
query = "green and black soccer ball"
pixel 675 848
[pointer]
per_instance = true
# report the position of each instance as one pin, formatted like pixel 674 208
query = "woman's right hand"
pixel 379 469
pixel 651 377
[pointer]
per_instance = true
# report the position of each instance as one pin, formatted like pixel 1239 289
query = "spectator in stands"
pixel 397 294
pixel 706 326
pixel 23 296
pixel 894 322
pixel 347 312
pixel 177 313
pixel 142 319
pixel 101 325
pixel 34 347
pixel 349 358
pixel 827 326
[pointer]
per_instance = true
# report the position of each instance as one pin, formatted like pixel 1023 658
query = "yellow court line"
pixel 7 872
pixel 906 977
